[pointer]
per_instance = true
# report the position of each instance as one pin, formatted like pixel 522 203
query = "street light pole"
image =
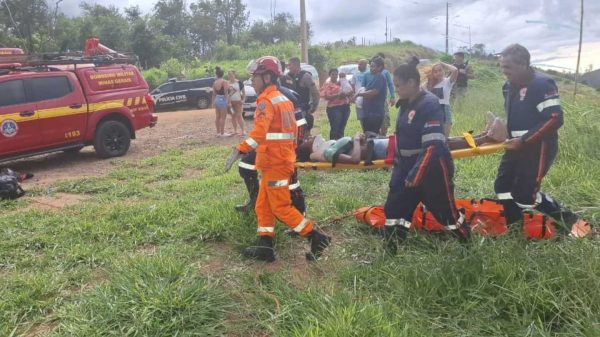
pixel 303 33
pixel 578 54
pixel 447 5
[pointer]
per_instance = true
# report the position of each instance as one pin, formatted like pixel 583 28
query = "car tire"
pixel 112 139
pixel 203 103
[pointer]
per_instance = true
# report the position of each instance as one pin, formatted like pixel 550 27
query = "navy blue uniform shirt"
pixel 533 112
pixel 420 139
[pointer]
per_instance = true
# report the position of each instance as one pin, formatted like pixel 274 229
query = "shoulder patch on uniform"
pixel 523 93
pixel 411 115
pixel 261 106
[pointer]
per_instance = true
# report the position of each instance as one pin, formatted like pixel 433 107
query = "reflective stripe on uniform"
pixel 294 186
pixel 538 200
pixel 400 222
pixel 433 136
pixel 277 183
pixel 301 122
pixel 408 153
pixel 301 225
pixel 548 103
pixel 247 166
pixel 265 229
pixel 252 143
pixel 519 133
pixel 525 206
pixel 504 196
pixel 280 136
pixel 279 99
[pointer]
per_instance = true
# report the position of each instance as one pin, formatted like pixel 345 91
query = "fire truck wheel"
pixel 203 103
pixel 112 139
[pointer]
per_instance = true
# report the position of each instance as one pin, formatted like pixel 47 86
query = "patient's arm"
pixel 354 156
pixel 457 143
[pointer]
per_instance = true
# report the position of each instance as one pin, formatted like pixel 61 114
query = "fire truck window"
pixel 43 88
pixel 13 92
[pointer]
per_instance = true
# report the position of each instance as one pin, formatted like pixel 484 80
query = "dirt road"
pixel 173 129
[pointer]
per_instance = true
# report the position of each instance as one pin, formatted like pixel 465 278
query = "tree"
pixel 283 27
pixel 232 17
pixel 478 50
pixel 174 15
pixel 27 22
pixel 106 23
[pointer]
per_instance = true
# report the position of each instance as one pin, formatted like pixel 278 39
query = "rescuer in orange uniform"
pixel 273 139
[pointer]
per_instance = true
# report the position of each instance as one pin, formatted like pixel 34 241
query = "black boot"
pixel 318 243
pixel 512 212
pixel 252 186
pixel 263 251
pixel 392 236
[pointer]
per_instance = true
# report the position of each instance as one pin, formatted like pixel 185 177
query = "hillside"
pixel 322 57
pixel 154 250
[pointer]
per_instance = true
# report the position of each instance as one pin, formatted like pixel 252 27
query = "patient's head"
pixel 305 149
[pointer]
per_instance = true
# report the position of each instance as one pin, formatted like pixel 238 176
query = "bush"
pixel 154 77
pixel 172 67
pixel 223 51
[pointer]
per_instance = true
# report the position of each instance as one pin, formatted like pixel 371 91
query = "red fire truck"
pixel 63 102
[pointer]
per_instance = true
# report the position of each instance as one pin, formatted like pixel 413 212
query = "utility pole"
pixel 578 54
pixel 386 30
pixel 447 5
pixel 303 33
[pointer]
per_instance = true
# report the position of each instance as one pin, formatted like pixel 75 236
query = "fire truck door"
pixel 19 122
pixel 61 106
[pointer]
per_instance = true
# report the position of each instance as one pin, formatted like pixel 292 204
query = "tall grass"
pixel 154 251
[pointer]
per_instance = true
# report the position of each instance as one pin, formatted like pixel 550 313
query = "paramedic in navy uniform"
pixel 423 168
pixel 534 116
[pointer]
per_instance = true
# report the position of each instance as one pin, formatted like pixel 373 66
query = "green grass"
pixel 154 250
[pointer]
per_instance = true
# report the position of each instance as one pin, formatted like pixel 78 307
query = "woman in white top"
pixel 441 85
pixel 236 99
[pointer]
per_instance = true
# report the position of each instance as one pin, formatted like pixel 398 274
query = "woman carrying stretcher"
pixel 423 168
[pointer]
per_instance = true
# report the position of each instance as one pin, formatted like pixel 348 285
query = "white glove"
pixel 233 157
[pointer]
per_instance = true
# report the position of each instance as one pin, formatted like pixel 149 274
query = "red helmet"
pixel 264 64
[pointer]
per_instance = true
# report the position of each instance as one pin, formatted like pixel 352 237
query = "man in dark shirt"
pixel 374 98
pixel 534 116
pixel 465 72
pixel 303 84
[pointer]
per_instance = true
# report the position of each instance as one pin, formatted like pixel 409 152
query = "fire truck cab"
pixel 64 104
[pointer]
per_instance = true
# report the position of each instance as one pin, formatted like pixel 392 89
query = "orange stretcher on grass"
pixel 481 150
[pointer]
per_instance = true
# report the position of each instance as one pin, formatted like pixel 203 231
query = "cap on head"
pixel 263 65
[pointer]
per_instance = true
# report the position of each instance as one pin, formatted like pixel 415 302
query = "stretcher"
pixel 481 150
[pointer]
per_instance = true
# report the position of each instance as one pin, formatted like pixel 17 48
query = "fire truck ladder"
pixel 94 53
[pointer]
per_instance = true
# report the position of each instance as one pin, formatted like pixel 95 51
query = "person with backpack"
pixel 423 169
pixel 273 138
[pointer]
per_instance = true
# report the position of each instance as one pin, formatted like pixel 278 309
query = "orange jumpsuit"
pixel 273 137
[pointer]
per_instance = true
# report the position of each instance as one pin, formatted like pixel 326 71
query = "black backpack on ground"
pixel 9 185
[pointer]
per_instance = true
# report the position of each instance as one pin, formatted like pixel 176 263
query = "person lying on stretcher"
pixel 361 147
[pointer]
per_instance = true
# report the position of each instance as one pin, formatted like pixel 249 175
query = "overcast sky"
pixel 552 39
